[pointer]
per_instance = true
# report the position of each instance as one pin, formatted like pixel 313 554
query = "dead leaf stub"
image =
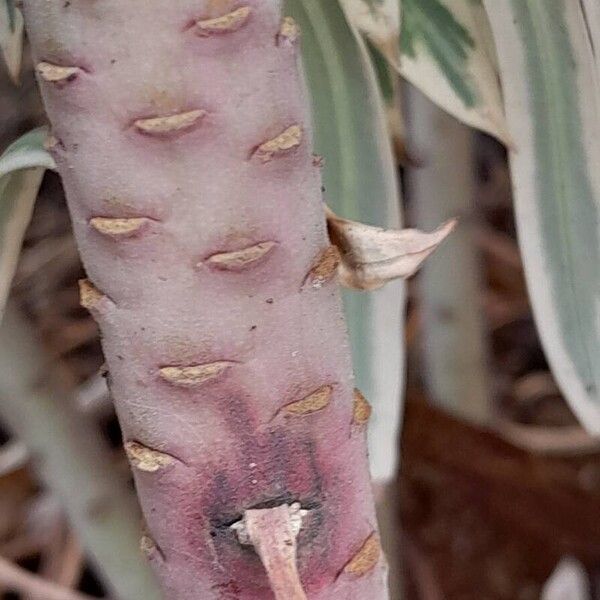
pixel 372 256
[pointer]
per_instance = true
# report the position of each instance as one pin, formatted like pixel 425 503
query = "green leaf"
pixel 12 14
pixel 444 48
pixel 27 152
pixel 550 76
pixel 11 38
pixel 22 168
pixel 385 76
pixel 429 26
pixel 361 184
pixel 379 20
pixel 447 52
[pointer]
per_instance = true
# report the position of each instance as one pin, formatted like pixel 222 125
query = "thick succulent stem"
pixel 183 138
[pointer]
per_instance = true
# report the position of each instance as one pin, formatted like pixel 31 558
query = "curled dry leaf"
pixel 372 256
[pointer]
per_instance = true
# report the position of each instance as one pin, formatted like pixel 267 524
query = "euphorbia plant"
pixel 182 134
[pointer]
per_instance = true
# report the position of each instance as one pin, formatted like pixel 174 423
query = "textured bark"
pixel 182 144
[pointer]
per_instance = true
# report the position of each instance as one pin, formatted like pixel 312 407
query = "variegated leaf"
pixel 11 37
pixel 550 74
pixel 447 52
pixel 379 20
pixel 22 168
pixel 445 49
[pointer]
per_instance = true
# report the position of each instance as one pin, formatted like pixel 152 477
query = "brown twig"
pixel 19 580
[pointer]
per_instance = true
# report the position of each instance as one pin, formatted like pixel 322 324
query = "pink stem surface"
pixel 183 137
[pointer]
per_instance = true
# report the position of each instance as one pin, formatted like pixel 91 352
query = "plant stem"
pixel 183 138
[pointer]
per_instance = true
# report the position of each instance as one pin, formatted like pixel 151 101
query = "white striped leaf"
pixel 445 49
pixel 22 168
pixel 11 38
pixel 550 76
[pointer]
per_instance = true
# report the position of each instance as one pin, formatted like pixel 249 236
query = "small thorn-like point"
pixel 224 24
pixel 240 259
pixel 51 143
pixel 147 545
pixel 366 558
pixel 146 459
pixel 314 402
pixel 89 295
pixel 194 375
pixel 57 73
pixel 287 140
pixel 324 268
pixel 362 409
pixel 289 32
pixel 169 124
pixel 119 228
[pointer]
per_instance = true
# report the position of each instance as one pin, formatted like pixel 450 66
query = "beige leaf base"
pixel 372 256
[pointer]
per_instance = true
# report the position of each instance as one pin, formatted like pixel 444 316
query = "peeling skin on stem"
pixel 224 24
pixel 147 459
pixel 324 268
pixel 51 143
pixel 361 410
pixel 119 227
pixel 56 73
pixel 169 124
pixel 366 558
pixel 289 32
pixel 90 297
pixel 283 143
pixel 150 549
pixel 239 260
pixel 314 402
pixel 194 375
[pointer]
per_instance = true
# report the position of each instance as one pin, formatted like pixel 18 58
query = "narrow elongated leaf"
pixel 446 51
pixel 550 78
pixel 27 152
pixel 591 15
pixel 22 168
pixel 11 37
pixel 361 185
pixel 379 20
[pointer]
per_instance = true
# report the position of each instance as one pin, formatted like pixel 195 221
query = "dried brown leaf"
pixel 372 256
